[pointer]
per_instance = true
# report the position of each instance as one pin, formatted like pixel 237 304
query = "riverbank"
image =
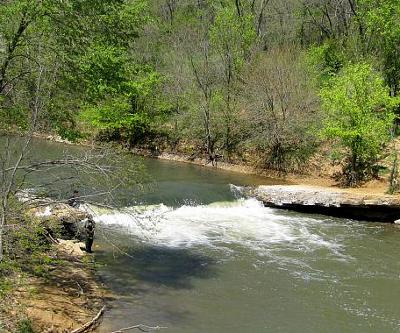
pixel 67 298
pixel 62 300
pixel 319 171
pixel 62 294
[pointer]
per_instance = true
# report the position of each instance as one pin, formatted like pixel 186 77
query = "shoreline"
pixel 62 301
pixel 70 297
pixel 316 175
pixel 66 294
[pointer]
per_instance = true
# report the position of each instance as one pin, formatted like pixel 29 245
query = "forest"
pixel 266 82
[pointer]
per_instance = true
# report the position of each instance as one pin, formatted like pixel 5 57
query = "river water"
pixel 191 254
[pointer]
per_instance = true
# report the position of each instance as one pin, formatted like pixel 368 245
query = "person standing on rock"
pixel 89 229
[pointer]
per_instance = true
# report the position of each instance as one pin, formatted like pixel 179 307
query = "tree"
pixel 359 116
pixel 382 20
pixel 328 19
pixel 204 75
pixel 232 36
pixel 128 106
pixel 281 110
pixel 122 94
pixel 41 68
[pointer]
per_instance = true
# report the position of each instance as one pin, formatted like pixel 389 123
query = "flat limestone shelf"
pixel 328 201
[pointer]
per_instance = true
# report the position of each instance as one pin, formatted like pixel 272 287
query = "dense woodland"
pixel 250 81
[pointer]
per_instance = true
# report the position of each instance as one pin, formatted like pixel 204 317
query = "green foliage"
pixel 359 115
pixel 13 116
pixel 130 109
pixel 232 36
pixel 103 70
pixel 25 326
pixel 70 134
pixel 382 20
pixel 26 243
pixel 120 93
pixel 325 60
pixel 57 55
pixel 6 285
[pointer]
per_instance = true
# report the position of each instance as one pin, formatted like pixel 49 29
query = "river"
pixel 192 255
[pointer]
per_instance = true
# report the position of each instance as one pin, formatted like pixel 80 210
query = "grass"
pixel 25 326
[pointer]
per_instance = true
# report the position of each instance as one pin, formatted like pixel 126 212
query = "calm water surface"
pixel 192 255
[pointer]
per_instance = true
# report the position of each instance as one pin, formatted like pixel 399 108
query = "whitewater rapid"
pixel 244 222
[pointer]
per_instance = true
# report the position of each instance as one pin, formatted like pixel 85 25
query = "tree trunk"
pixel 10 52
pixel 2 226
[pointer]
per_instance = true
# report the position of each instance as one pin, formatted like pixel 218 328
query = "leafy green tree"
pixel 359 116
pixel 382 19
pixel 325 61
pixel 129 107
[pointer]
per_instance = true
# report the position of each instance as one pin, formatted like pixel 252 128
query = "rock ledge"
pixel 330 201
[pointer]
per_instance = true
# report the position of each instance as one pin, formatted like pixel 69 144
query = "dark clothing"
pixel 73 202
pixel 88 244
pixel 89 229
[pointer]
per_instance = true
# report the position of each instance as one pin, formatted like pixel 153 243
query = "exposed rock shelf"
pixel 328 201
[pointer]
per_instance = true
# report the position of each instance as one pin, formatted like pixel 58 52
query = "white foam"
pixel 45 212
pixel 244 222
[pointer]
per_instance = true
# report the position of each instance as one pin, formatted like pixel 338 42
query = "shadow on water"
pixel 156 269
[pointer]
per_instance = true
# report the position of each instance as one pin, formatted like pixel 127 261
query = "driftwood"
pixel 90 324
pixel 141 327
pixel 51 238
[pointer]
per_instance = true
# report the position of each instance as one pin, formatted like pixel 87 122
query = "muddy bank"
pixel 330 201
pixel 241 168
pixel 318 174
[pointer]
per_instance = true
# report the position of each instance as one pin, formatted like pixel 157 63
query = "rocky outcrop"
pixel 329 201
pixel 60 216
pixel 61 211
pixel 71 247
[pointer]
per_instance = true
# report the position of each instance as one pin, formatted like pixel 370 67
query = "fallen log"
pixel 91 324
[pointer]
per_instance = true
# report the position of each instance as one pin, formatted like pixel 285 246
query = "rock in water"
pixel 329 201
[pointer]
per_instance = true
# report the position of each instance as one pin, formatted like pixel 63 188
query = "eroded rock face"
pixel 71 247
pixel 328 201
pixel 67 217
pixel 68 214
